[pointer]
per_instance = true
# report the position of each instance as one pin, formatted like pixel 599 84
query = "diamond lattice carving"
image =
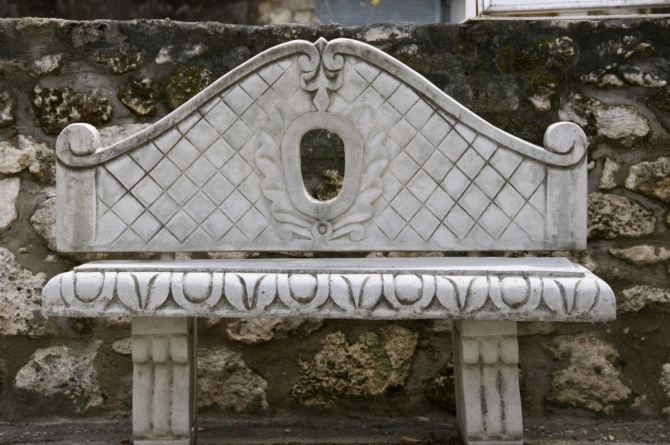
pixel 446 176
pixel 197 181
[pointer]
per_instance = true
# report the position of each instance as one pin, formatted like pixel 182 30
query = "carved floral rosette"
pixel 370 295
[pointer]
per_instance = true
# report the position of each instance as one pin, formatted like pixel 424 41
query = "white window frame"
pixel 489 7
pixel 467 9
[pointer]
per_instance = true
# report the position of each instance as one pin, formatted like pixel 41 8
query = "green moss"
pixel 184 84
pixel 507 58
pixel 546 40
pixel 539 62
pixel 542 79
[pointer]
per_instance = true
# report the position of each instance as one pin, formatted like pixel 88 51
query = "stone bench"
pixel 422 173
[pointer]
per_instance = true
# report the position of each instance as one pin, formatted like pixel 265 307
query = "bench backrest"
pixel 223 171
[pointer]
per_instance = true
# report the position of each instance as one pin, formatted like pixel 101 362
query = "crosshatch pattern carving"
pixel 198 183
pixel 445 180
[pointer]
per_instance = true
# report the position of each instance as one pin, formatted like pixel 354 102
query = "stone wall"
pixel 238 12
pixel 610 77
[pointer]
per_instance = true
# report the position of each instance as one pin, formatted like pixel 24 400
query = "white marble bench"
pixel 422 173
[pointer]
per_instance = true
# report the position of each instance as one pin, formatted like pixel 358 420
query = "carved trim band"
pixel 496 294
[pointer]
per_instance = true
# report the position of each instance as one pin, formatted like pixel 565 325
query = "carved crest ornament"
pixel 366 156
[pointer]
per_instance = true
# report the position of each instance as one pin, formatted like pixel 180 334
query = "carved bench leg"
pixel 164 381
pixel 486 357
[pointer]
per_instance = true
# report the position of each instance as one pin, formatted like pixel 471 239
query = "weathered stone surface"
pixel 23 152
pixel 120 60
pixel 590 379
pixel 637 297
pixel 485 94
pixel 368 367
pixel 65 372
pixel 664 381
pixel 625 48
pixel 48 64
pixel 651 178
pixel 253 331
pixel 642 255
pixel 607 177
pixel 636 75
pixel 123 346
pixel 621 123
pixel 138 96
pixel 183 53
pixel 541 100
pixel 20 299
pixel 44 222
pixel 56 108
pixel 614 216
pixel 615 75
pixel 644 406
pixel 9 192
pixel 441 390
pixel 225 381
pixel 183 84
pixel 7 108
pixel 553 52
pixel 604 77
pixel 660 100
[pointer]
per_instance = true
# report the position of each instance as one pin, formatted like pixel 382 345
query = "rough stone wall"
pixel 610 77
pixel 238 12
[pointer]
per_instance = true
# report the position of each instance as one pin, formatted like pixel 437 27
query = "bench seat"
pixel 514 289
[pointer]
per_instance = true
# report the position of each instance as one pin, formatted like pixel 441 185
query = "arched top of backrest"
pixel 222 172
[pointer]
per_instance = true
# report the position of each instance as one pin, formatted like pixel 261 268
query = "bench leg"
pixel 164 365
pixel 486 357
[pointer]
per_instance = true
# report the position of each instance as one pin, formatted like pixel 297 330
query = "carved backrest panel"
pixel 223 171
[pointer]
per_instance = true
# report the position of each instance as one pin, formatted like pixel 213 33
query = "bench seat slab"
pixel 507 289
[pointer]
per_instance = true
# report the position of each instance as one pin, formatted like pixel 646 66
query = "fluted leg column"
pixel 164 381
pixel 486 358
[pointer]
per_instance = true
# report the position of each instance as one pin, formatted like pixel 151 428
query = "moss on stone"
pixel 538 62
pixel 183 84
pixel 507 58
pixel 376 362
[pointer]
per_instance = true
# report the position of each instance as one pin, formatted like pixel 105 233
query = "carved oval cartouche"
pixel 322 162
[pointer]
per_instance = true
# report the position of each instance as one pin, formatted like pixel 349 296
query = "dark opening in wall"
pixel 322 163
